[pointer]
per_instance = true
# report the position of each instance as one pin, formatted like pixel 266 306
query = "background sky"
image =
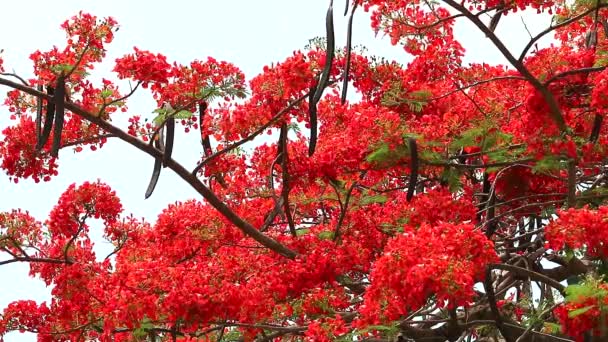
pixel 250 34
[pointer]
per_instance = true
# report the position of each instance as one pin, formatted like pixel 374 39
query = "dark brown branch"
pixel 555 27
pixel 120 99
pixel 555 111
pixel 478 83
pixel 414 164
pixel 573 72
pixel 86 140
pixel 250 136
pixel 571 201
pixel 343 211
pixel 487 284
pixel 187 176
pixel 34 259
pixel 520 271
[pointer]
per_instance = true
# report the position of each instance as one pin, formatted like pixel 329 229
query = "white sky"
pixel 250 34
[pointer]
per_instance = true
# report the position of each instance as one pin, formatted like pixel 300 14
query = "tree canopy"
pixel 343 196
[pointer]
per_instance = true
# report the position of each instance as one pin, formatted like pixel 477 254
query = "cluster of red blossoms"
pixel 404 277
pixel 580 228
pixel 584 312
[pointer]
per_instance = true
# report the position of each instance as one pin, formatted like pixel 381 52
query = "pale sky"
pixel 250 34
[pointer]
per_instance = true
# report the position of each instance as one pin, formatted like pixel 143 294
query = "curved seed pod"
pixel 496 18
pixel 591 39
pixel 329 59
pixel 160 145
pixel 202 108
pixel 154 179
pixel 349 47
pixel 59 99
pixel 279 157
pixel 169 138
pixel 494 21
pixel 413 169
pixel 38 115
pixel 597 125
pixel 48 121
pixel 285 175
pixel 346 7
pixel 312 113
pixel 331 46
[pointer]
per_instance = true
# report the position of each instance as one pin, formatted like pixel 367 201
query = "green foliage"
pixel 592 197
pixel 486 137
pixel 373 199
pixel 397 96
pixel 142 331
pixel 601 59
pixel 301 232
pixel 587 289
pixel 578 312
pixel 452 176
pixel 552 328
pixel 326 235
pixel 106 93
pixel 383 156
pixel 164 114
pixel 388 331
pixel 548 164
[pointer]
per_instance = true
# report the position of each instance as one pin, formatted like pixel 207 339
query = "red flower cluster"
pixel 87 37
pixel 580 228
pixel 143 66
pixel 20 158
pixel 585 313
pixel 405 276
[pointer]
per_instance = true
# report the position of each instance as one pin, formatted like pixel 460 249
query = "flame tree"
pixel 429 208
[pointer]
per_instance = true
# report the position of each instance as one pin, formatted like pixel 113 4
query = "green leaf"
pixel 452 177
pixel 469 137
pixel 430 156
pixel 415 100
pixel 301 232
pixel 139 333
pixel 373 199
pixel 384 156
pixel 158 120
pixel 183 114
pixel 106 93
pixel 553 328
pixel 380 154
pixel 326 235
pixel 575 293
pixel 547 164
pixel 580 311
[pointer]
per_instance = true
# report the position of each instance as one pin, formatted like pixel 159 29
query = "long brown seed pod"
pixel 59 99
